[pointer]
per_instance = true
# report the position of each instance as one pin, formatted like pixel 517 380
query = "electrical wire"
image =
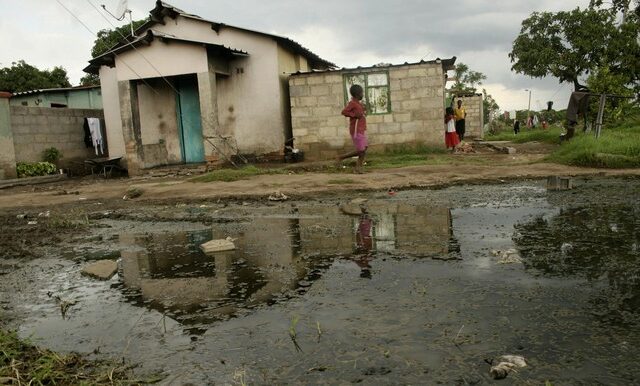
pixel 134 47
pixel 96 35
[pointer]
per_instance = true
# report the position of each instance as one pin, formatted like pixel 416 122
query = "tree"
pixel 571 44
pixel 90 80
pixel 489 106
pixel 466 80
pixel 108 38
pixel 24 77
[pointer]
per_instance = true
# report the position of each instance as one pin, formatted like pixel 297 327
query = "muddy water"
pixel 411 292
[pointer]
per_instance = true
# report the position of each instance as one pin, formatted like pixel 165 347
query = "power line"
pixel 134 47
pixel 96 35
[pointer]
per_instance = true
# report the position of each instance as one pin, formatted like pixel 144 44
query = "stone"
pixel 101 269
pixel 509 150
pixel 220 245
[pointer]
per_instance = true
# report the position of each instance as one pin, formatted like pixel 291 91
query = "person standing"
pixel 516 127
pixel 460 114
pixel 450 137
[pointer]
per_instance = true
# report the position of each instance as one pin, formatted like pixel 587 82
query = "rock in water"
pixel 101 269
pixel 218 245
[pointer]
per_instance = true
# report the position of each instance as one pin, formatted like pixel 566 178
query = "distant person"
pixel 460 114
pixel 451 139
pixel 516 127
pixel 357 127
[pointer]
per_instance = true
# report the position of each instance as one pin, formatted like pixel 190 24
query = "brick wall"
pixel 417 110
pixel 474 123
pixel 38 128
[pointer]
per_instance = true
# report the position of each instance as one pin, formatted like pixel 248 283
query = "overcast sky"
pixel 348 33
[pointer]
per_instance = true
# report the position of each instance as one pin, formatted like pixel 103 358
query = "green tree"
pixel 467 80
pixel 569 45
pixel 24 77
pixel 90 80
pixel 490 107
pixel 108 38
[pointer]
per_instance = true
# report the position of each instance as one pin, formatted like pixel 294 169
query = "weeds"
pixel 550 135
pixel 23 363
pixel 229 175
pixel 340 181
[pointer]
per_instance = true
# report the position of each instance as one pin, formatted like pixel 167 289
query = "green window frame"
pixel 377 94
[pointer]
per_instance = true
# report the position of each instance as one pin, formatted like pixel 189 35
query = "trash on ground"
pixel 218 245
pixel 278 196
pixel 44 214
pixel 101 269
pixel 465 147
pixel 509 256
pixel 507 364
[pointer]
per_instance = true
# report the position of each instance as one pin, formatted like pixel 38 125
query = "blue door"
pixel 189 123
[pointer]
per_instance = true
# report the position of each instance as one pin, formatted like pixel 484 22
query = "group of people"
pixel 355 111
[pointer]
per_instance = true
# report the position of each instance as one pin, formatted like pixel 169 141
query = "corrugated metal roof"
pixel 447 64
pixel 163 9
pixel 46 90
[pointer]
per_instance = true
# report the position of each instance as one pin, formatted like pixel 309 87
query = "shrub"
pixel 51 155
pixel 25 169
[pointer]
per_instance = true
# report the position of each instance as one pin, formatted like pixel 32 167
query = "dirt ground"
pixel 526 163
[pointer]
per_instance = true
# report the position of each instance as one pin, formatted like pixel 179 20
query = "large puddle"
pixel 416 290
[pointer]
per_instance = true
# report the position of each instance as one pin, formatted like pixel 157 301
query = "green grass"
pixel 229 175
pixel 617 147
pixel 550 135
pixel 26 364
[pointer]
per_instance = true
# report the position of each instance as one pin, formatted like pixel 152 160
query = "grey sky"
pixel 348 33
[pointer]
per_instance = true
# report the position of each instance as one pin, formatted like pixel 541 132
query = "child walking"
pixel 357 127
pixel 451 139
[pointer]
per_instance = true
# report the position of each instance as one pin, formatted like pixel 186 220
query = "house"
pixel 473 105
pixel 190 90
pixel 405 105
pixel 82 97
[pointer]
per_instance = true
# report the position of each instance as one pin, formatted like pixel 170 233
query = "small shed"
pixel 82 97
pixel 473 105
pixel 405 105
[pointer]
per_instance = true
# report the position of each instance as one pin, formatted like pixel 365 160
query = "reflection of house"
pixel 184 77
pixel 83 97
pixel 404 103
pixel 398 228
pixel 171 272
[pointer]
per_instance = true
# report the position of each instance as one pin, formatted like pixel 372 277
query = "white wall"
pixel 111 107
pixel 173 58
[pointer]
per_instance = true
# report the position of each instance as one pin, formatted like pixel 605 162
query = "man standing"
pixel 460 115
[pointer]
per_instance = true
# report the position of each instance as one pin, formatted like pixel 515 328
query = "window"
pixel 376 90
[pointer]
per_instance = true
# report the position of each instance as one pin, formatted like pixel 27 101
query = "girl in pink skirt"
pixel 451 139
pixel 357 126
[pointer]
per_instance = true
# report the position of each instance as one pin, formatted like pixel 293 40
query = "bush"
pixel 25 169
pixel 51 155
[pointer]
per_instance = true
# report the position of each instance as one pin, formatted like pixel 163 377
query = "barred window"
pixel 376 90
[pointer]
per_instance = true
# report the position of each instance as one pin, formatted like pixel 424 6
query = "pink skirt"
pixel 451 139
pixel 360 141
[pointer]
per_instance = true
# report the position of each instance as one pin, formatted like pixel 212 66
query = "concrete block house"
pixel 405 105
pixel 190 90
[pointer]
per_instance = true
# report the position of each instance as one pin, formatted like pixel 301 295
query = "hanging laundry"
pixel 96 135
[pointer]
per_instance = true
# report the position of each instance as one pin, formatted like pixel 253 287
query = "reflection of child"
pixel 364 245
pixel 451 139
pixel 357 126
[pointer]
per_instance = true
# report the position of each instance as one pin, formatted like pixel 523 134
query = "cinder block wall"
pixel 474 123
pixel 417 110
pixel 7 153
pixel 38 128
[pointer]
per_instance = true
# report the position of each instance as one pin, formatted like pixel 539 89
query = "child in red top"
pixel 451 139
pixel 357 126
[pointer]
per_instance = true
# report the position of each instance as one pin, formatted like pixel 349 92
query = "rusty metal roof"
pixel 163 9
pixel 447 64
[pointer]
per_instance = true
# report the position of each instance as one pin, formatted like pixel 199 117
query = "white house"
pixel 189 90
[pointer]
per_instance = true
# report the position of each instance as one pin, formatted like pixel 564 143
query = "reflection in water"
pixel 596 243
pixel 275 258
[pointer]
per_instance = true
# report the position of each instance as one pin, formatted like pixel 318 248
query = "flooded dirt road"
pixel 422 287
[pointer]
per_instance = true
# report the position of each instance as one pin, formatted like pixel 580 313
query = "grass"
pixel 24 363
pixel 617 147
pixel 550 135
pixel 229 175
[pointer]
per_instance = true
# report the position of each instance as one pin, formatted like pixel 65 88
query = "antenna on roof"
pixel 121 11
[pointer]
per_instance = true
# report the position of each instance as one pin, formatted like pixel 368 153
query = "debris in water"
pixel 218 245
pixel 507 364
pixel 32 223
pixel 278 196
pixel 101 269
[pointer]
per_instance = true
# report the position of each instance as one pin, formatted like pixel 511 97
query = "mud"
pixel 409 292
